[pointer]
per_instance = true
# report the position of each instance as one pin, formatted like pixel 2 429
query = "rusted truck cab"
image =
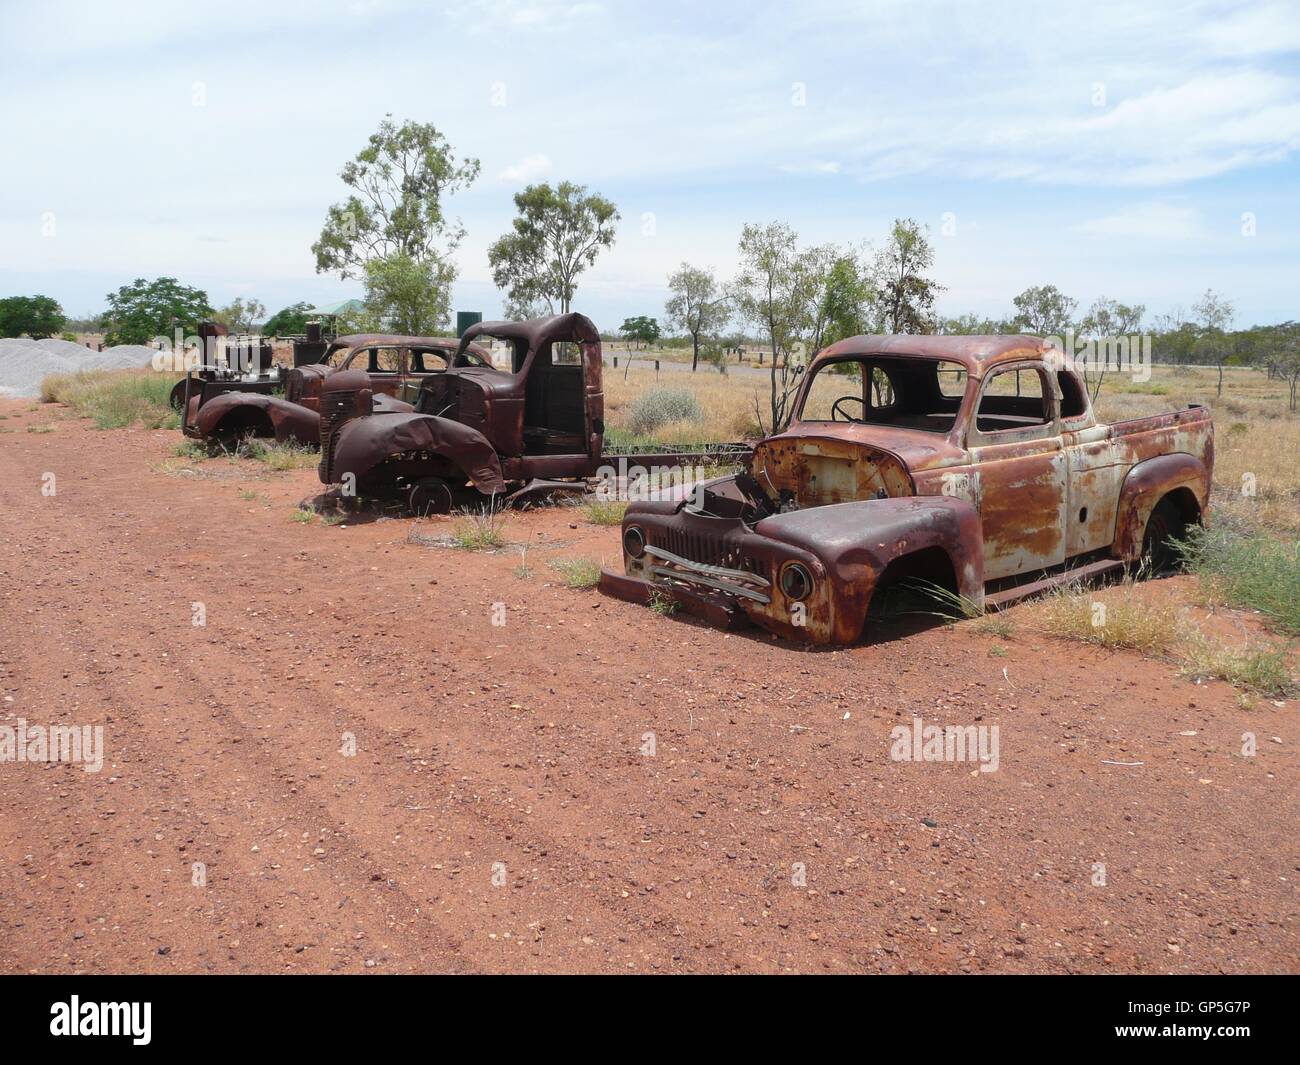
pixel 535 411
pixel 974 464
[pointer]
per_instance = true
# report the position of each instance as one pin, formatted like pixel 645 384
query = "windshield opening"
pixel 907 393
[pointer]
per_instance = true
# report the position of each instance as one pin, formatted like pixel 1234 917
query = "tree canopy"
pixel 35 316
pixel 143 310
pixel 556 235
pixel 405 295
pixel 641 329
pixel 289 321
pixel 697 304
pixel 399 180
pixel 241 315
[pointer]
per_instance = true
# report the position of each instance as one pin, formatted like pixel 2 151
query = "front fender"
pixel 287 421
pixel 857 541
pixel 1145 485
pixel 364 443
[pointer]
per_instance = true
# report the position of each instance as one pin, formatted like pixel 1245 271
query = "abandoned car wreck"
pixel 225 411
pixel 532 420
pixel 971 464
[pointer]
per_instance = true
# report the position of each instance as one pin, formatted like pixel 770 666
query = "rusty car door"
pixel 1096 463
pixel 1019 470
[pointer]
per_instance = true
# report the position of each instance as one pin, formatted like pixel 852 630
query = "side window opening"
pixel 566 353
pixel 902 392
pixel 426 361
pixel 1014 399
pixel 383 360
pixel 1072 402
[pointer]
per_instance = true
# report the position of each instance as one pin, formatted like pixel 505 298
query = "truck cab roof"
pixel 976 353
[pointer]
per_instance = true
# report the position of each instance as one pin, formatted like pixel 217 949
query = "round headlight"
pixel 796 581
pixel 634 541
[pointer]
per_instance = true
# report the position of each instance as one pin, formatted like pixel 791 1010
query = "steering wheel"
pixel 838 415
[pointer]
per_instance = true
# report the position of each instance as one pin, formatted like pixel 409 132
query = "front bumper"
pixel 715 608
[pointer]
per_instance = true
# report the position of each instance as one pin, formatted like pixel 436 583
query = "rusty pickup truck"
pixel 223 413
pixel 530 423
pixel 971 464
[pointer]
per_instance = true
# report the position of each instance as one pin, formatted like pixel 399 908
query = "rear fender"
pixel 1145 485
pixel 268 415
pixel 364 443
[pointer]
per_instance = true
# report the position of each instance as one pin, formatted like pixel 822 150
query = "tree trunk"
pixel 1220 393
pixel 695 356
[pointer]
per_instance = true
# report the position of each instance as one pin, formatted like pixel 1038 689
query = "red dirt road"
pixel 522 745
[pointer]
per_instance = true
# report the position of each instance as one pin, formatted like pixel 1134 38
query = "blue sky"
pixel 1108 148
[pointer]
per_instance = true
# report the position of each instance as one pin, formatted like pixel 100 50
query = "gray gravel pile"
pixel 25 363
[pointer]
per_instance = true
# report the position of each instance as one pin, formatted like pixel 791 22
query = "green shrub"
pixel 661 406
pixel 1250 571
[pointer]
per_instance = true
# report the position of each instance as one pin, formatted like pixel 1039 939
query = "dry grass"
pixel 577 572
pixel 277 456
pixel 479 530
pixel 116 399
pixel 1158 629
pixel 725 400
pixel 605 511
pixel 1264 670
pixel 1071 613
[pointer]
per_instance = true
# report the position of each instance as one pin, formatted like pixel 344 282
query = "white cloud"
pixel 1267 29
pixel 812 167
pixel 1148 221
pixel 527 169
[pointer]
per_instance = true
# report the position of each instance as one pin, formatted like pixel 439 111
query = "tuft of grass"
pixel 334 517
pixel 190 450
pixel 1157 629
pixel 949 604
pixel 577 572
pixel 1153 629
pixel 664 605
pixel 40 428
pixel 523 570
pixel 290 456
pixel 995 624
pixel 605 511
pixel 479 530
pixel 1250 571
pixel 116 399
pixel 1262 670
pixel 303 517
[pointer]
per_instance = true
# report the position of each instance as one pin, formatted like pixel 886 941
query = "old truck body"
pixel 537 419
pixel 972 463
pixel 395 364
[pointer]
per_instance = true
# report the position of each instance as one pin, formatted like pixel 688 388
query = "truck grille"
pixel 701 547
pixel 335 409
